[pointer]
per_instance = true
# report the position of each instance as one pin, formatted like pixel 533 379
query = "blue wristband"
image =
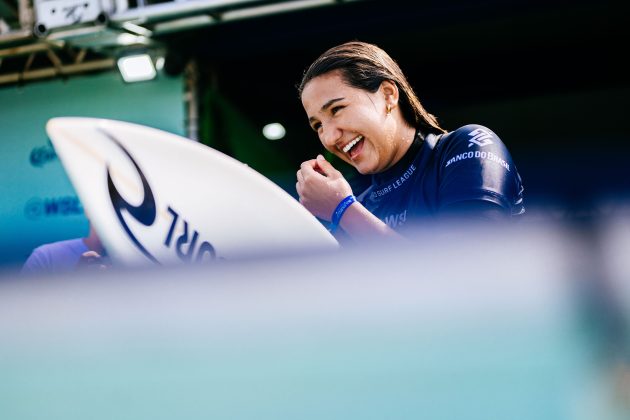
pixel 339 211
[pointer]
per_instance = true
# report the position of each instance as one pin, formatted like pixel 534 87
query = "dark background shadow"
pixel 544 75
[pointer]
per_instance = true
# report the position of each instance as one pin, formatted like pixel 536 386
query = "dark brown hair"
pixel 365 66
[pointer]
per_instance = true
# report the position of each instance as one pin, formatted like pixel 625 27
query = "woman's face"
pixel 353 123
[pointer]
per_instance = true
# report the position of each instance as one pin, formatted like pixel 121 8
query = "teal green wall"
pixel 38 203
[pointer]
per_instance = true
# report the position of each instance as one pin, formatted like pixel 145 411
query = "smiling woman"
pixel 364 111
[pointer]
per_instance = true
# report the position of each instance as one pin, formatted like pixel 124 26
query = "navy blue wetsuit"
pixel 439 172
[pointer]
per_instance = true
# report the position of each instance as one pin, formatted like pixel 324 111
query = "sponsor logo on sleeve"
pixel 479 155
pixel 480 137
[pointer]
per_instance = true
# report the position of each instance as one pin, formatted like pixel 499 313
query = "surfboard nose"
pixel 54 124
pixel 66 122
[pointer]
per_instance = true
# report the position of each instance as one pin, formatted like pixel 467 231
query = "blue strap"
pixel 339 211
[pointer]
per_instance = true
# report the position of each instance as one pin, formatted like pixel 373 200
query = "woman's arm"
pixel 321 188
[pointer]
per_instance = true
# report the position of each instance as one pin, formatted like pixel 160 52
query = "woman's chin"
pixel 364 169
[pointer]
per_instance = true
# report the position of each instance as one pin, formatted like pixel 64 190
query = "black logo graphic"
pixel 145 213
pixel 186 247
pixel 205 251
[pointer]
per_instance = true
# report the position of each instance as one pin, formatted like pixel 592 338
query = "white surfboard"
pixel 153 196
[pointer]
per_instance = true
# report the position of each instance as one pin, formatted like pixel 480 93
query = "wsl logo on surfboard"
pixel 185 245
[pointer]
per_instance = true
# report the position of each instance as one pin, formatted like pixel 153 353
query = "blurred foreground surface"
pixel 523 323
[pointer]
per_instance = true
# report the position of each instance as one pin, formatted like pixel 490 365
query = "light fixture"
pixel 126 39
pixel 136 68
pixel 159 63
pixel 274 131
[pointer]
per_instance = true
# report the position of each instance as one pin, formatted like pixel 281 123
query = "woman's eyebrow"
pixel 329 103
pixel 326 106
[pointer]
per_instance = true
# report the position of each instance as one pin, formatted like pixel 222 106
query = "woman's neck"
pixel 406 135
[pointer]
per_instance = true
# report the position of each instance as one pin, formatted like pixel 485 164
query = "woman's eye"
pixel 316 126
pixel 336 109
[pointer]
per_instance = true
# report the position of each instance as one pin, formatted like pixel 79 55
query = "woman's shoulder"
pixel 472 131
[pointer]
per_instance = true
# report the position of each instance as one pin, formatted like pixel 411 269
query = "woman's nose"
pixel 330 135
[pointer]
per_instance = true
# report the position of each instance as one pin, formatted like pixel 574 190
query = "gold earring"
pixel 389 109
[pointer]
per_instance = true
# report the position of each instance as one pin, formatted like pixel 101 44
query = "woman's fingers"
pixel 325 166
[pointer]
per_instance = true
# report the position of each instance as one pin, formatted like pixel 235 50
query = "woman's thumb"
pixel 325 166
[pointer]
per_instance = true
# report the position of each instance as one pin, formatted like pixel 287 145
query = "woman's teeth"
pixel 350 145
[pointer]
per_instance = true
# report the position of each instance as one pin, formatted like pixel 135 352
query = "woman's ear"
pixel 390 92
